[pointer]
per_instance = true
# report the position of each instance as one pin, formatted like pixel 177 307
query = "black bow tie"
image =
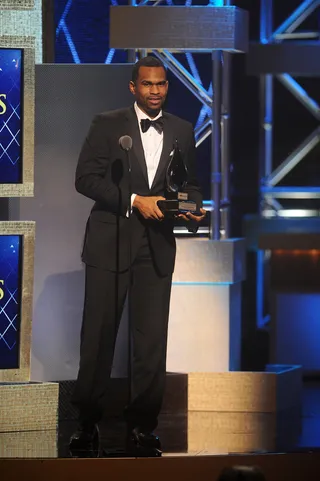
pixel 147 123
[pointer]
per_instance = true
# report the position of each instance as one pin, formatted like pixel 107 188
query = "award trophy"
pixel 176 181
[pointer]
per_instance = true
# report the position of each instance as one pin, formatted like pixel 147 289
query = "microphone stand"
pixel 129 366
pixel 125 143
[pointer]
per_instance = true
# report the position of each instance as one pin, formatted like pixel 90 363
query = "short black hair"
pixel 148 61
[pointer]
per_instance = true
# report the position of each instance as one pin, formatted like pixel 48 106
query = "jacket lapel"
pixel 137 147
pixel 168 142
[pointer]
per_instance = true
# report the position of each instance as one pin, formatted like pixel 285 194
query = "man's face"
pixel 150 89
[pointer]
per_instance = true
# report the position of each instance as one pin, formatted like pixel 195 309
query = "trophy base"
pixel 175 207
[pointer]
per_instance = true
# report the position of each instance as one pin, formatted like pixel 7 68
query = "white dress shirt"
pixel 152 143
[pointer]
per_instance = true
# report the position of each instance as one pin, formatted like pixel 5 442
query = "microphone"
pixel 125 143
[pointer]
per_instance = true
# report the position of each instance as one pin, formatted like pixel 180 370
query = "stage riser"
pixel 244 411
pixel 260 392
pixel 220 392
pixel 228 411
pixel 30 444
pixel 28 406
pixel 243 432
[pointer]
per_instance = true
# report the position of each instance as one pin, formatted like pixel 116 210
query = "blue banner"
pixel 10 300
pixel 11 94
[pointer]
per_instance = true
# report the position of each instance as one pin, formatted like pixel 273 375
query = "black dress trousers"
pixel 105 294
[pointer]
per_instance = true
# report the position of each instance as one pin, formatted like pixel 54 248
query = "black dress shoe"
pixel 85 442
pixel 141 443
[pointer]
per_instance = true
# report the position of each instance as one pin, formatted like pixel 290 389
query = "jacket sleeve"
pixel 93 177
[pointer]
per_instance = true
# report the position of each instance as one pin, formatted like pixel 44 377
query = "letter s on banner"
pixel 1 290
pixel 3 106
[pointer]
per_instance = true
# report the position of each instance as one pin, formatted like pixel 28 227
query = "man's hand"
pixel 148 208
pixel 188 216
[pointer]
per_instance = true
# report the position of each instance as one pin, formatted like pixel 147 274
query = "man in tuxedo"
pixel 126 227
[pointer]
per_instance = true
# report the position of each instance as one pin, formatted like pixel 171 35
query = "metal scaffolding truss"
pixel 271 193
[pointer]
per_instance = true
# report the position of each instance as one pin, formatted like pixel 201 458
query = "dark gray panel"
pixel 276 230
pixel 183 28
pixel 67 97
pixel 289 241
pixel 300 59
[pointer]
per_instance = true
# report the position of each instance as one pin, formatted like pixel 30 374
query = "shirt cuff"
pixel 133 196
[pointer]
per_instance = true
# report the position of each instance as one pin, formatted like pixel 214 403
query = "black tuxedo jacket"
pixel 102 175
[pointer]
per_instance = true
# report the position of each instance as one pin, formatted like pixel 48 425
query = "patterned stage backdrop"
pixel 10 300
pixel 10 115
